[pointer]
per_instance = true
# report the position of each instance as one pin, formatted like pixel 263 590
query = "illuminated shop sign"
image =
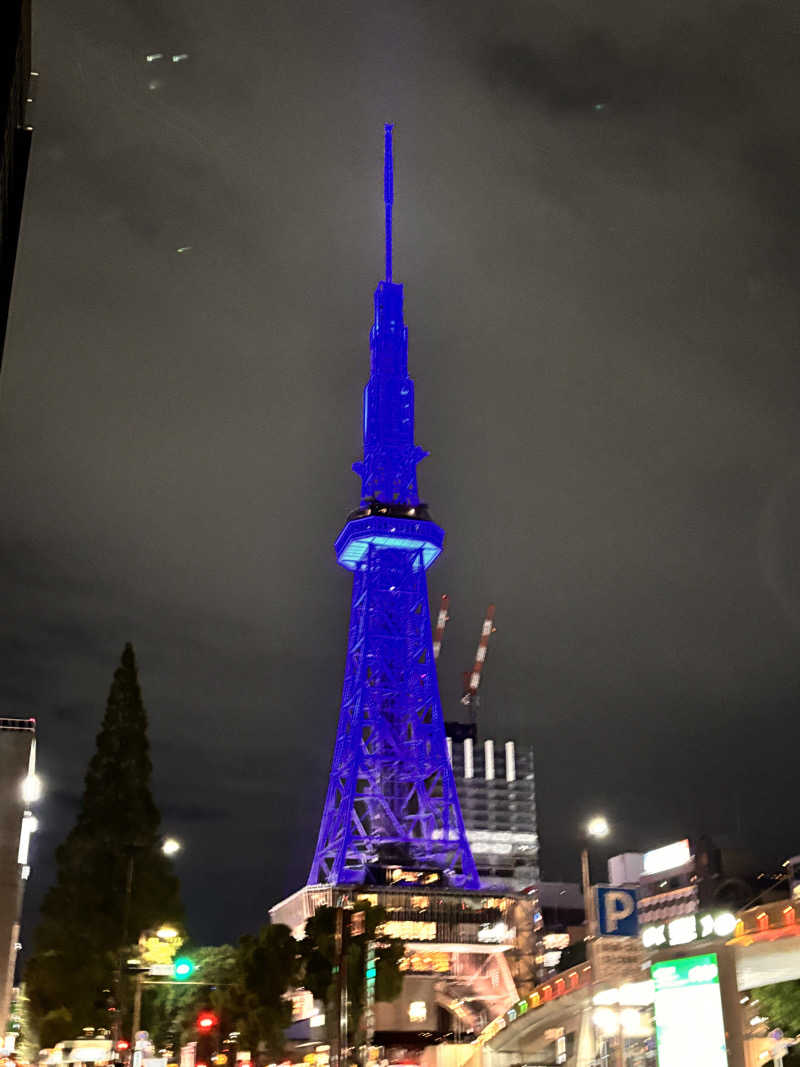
pixel 688 1010
pixel 687 928
pixel 417 1011
pixel 408 930
pixel 667 858
pixel 426 962
pixel 494 933
pixel 553 941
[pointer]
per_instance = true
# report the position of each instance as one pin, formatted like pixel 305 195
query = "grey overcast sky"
pixel 597 225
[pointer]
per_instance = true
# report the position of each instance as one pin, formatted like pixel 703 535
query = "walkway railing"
pixel 553 989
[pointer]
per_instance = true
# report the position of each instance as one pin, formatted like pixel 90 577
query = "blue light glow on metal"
pixel 391 797
pixel 353 542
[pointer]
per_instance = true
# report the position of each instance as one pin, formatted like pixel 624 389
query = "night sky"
pixel 597 224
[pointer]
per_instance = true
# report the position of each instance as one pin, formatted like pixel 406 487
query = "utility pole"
pixel 119 984
pixel 340 1007
pixel 137 1015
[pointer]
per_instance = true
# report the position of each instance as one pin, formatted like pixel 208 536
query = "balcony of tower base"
pixel 417 536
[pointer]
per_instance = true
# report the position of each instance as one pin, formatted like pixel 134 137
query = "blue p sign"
pixel 616 912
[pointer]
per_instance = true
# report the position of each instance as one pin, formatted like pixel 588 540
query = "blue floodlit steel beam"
pixel 391 797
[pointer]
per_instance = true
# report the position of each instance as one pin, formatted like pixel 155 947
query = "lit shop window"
pixel 417 1011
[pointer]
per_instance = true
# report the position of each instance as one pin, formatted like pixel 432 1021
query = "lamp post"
pixel 169 846
pixel 165 933
pixel 597 827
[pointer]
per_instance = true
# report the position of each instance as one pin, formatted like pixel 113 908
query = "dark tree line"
pixel 113 882
pixel 112 879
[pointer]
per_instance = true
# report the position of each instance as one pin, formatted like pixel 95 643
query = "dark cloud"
pixel 687 88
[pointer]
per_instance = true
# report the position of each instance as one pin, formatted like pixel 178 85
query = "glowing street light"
pixel 166 933
pixel 598 826
pixel 31 788
pixel 170 846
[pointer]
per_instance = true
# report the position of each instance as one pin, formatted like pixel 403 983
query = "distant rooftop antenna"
pixel 388 193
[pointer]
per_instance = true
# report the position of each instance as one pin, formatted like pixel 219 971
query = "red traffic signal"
pixel 206 1021
pixel 123 1045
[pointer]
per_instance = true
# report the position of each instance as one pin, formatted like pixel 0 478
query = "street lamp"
pixel 596 827
pixel 170 846
pixel 31 788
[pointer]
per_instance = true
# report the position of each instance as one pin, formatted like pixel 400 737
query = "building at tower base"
pixel 465 953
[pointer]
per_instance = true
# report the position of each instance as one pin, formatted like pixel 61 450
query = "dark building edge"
pixel 15 71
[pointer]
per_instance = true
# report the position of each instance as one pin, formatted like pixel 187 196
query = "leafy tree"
pixel 19 1022
pixel 112 880
pixel 781 1005
pixel 270 966
pixel 245 990
pixel 318 950
pixel 169 1010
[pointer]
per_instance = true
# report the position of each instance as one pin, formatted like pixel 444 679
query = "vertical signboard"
pixel 688 1007
pixel 369 1006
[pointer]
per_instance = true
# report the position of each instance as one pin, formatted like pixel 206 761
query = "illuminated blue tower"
pixel 392 798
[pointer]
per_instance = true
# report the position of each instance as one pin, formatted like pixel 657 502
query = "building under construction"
pixel 495 782
pixel 496 787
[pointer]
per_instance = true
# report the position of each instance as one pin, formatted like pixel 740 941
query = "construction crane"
pixel 472 679
pixel 441 622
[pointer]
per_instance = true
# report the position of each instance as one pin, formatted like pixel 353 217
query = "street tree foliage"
pixel 318 950
pixel 169 1010
pixel 88 919
pixel 780 1003
pixel 244 986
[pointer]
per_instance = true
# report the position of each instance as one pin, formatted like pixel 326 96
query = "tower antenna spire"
pixel 388 193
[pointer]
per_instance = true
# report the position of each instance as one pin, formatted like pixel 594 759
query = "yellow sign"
pixel 158 947
pixel 408 930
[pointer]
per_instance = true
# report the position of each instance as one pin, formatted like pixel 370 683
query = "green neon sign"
pixel 688 1009
pixel 690 971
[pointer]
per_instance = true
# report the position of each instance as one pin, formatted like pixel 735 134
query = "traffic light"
pixel 206 1021
pixel 182 968
pixel 123 1045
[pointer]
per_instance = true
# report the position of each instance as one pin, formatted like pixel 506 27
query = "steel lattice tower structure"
pixel 391 796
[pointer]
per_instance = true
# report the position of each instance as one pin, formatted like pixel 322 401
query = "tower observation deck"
pixel 391 800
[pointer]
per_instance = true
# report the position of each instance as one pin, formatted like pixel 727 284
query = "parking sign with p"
pixel 616 911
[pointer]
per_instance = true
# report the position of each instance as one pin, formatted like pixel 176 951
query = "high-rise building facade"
pixel 496 787
pixel 15 71
pixel 18 791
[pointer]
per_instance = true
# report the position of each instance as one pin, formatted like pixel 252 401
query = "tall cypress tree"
pixel 112 879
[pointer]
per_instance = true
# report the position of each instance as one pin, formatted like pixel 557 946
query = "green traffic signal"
pixel 182 968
